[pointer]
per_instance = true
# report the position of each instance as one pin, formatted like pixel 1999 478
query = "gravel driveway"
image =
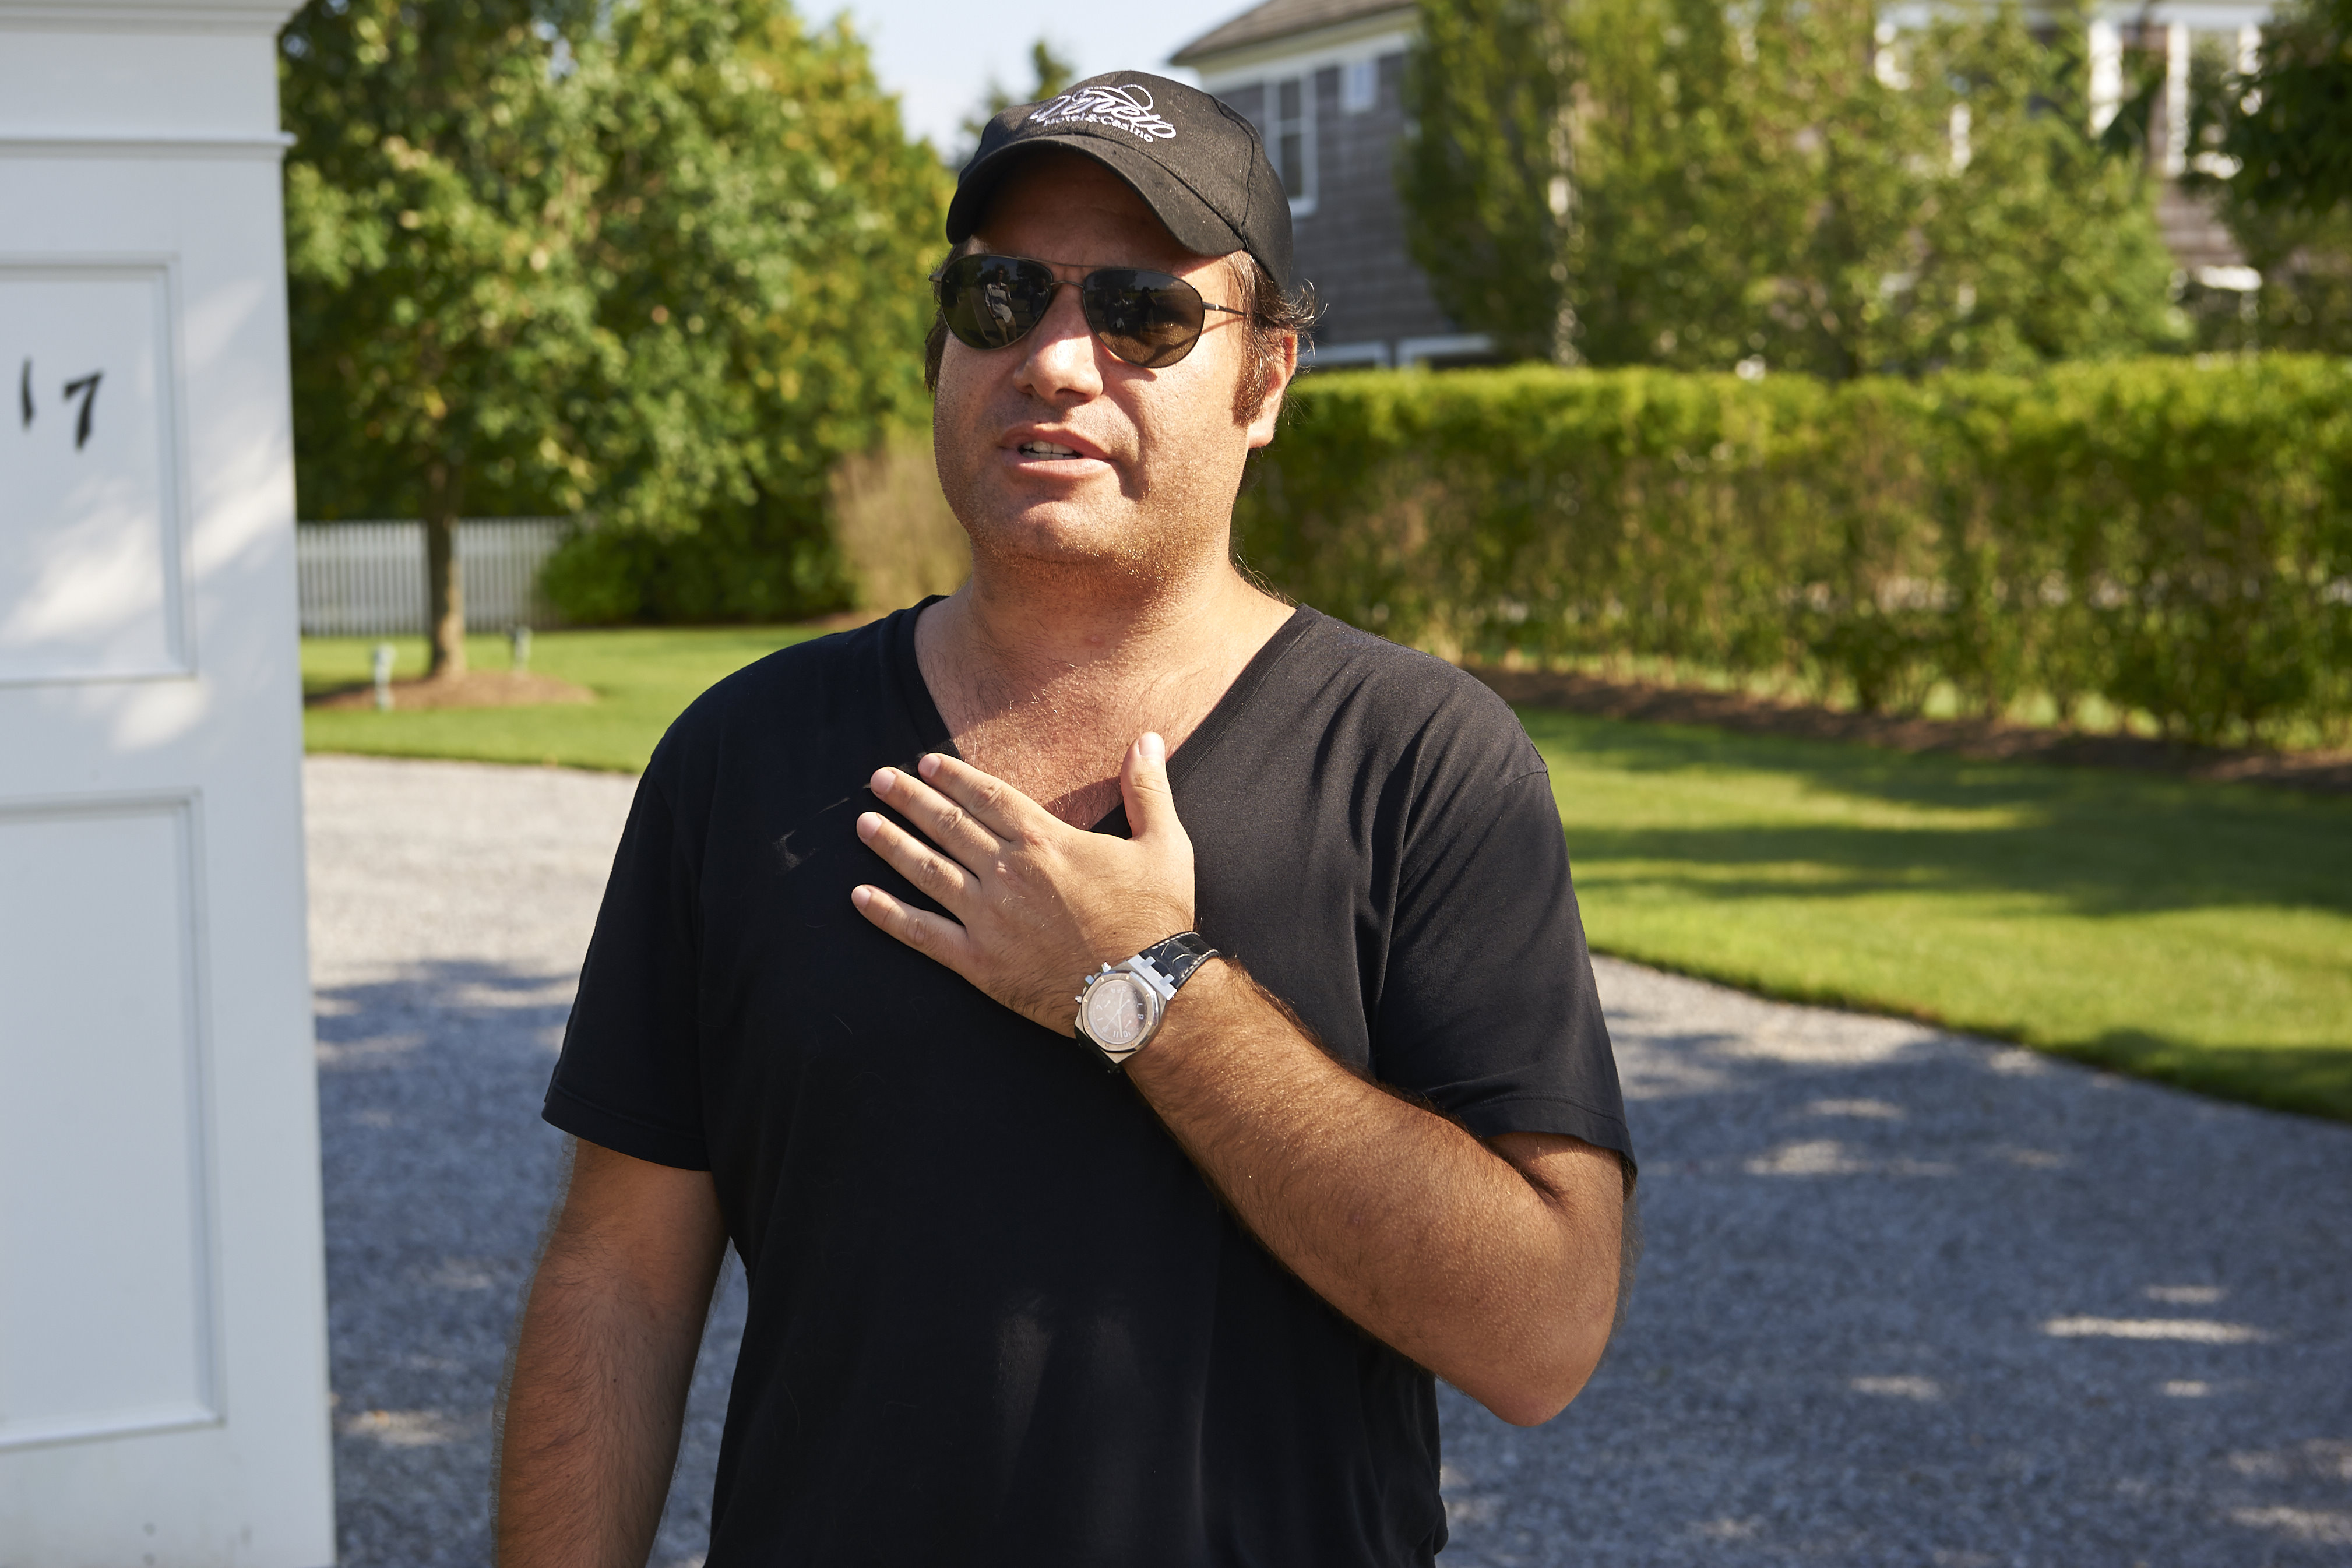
pixel 1909 1298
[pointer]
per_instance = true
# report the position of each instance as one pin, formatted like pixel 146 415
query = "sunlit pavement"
pixel 1907 1299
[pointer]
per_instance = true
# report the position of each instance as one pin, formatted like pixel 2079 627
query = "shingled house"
pixel 1323 81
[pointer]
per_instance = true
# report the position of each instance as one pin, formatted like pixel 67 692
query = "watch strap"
pixel 1171 962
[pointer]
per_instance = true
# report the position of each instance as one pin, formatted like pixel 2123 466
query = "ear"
pixel 1281 366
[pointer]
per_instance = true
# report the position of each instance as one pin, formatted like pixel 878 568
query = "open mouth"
pixel 1046 449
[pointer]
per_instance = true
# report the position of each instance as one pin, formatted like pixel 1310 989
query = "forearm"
pixel 589 1426
pixel 1500 1275
pixel 1402 1220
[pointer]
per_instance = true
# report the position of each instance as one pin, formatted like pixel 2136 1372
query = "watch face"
pixel 1118 1009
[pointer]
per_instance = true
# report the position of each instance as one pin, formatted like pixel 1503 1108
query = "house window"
pixel 1292 105
pixel 1360 85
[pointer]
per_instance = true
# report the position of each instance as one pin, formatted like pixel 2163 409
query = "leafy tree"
pixel 1680 183
pixel 1703 159
pixel 2293 133
pixel 2305 303
pixel 437 197
pixel 1050 76
pixel 1487 167
pixel 662 261
pixel 2031 247
pixel 766 230
pixel 2284 177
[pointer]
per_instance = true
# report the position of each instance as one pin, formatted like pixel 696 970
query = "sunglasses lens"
pixel 991 301
pixel 1148 319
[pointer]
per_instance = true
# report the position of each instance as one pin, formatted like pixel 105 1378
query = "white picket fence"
pixel 367 579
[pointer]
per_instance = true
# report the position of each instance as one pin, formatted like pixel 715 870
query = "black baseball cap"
pixel 1198 165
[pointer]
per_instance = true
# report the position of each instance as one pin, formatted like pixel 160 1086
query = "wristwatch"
pixel 1120 1008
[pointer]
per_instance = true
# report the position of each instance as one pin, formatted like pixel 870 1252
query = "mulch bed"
pixel 475 688
pixel 2328 772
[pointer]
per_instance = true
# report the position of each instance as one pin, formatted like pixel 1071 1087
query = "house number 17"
pixel 85 388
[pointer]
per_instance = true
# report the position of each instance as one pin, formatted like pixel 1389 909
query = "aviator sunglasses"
pixel 1150 319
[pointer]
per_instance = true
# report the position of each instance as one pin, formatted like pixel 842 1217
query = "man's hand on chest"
pixel 1498 1270
pixel 1037 904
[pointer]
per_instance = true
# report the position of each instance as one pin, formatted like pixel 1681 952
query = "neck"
pixel 1046 674
pixel 1024 628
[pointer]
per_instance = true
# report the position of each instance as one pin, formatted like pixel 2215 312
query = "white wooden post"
pixel 2106 51
pixel 162 1345
pixel 2175 100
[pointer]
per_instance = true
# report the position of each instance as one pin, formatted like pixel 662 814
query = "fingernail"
pixel 884 779
pixel 929 765
pixel 861 896
pixel 868 824
pixel 1155 751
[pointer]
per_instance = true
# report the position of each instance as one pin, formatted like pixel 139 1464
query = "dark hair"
pixel 935 341
pixel 1270 314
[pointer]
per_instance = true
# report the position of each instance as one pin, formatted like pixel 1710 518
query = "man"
pixel 1008 1306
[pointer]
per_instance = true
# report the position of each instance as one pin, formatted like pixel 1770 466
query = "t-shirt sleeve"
pixel 629 1077
pixel 1488 1010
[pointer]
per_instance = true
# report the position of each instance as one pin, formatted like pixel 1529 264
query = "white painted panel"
pixel 163 1336
pixel 105 1306
pixel 89 529
pixel 176 81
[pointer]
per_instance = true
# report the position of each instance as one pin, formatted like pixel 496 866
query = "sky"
pixel 939 56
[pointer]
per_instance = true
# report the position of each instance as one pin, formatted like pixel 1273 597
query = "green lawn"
pixel 643 678
pixel 2197 933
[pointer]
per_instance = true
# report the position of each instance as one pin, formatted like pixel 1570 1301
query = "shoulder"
pixel 798 673
pixel 806 691
pixel 1404 701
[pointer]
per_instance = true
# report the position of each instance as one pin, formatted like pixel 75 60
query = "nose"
pixel 1058 361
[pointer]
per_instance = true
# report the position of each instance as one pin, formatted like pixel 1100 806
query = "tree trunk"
pixel 444 580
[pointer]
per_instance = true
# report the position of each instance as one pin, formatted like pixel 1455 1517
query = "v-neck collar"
pixel 931 730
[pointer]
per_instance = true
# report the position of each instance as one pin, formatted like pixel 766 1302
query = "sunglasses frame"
pixel 1087 303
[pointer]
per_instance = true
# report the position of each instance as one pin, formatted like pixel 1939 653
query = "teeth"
pixel 1047 449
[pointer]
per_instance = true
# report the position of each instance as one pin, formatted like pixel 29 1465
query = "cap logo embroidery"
pixel 1127 109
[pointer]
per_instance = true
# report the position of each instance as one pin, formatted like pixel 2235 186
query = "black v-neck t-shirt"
pixel 996 1316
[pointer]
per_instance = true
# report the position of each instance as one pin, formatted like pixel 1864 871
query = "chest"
pixel 1293 876
pixel 1064 748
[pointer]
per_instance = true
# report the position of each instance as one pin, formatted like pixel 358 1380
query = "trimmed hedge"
pixel 2173 536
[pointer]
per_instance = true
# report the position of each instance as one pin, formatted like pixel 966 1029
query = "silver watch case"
pixel 1121 1008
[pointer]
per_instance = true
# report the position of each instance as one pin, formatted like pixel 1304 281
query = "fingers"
pixel 935 873
pixel 942 820
pixel 995 805
pixel 1143 782
pixel 934 936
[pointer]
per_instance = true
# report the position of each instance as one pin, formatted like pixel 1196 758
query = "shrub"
pixel 892 540
pixel 769 563
pixel 2169 534
pixel 898 537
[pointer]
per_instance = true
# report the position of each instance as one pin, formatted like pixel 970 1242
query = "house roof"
pixel 1279 19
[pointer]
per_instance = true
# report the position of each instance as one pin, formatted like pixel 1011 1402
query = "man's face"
pixel 1053 449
